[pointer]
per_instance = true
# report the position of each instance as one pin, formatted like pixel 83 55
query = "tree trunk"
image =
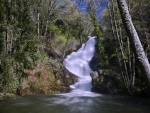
pixel 38 29
pixel 134 39
pixel 129 58
pixel 133 71
pixel 120 43
pixel 80 35
pixel 123 73
pixel 64 52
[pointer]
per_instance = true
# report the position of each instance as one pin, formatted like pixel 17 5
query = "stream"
pixel 79 104
pixel 80 99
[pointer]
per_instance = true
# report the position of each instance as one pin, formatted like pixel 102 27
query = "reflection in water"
pixel 77 104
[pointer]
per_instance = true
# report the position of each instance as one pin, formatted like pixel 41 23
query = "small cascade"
pixel 78 64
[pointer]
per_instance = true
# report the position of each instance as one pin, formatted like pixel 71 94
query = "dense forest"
pixel 36 36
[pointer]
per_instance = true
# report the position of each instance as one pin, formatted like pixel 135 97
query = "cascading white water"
pixel 78 64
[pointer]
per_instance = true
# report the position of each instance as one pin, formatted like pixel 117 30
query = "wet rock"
pixel 94 75
pixel 70 77
pixel 104 81
pixel 7 95
pixel 72 47
pixel 94 63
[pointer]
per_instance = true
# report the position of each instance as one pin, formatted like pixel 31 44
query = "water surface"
pixel 77 104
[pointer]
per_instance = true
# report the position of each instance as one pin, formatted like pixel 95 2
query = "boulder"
pixel 94 75
pixel 71 78
pixel 104 81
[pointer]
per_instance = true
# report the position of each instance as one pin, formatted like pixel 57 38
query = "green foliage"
pixel 55 64
pixel 24 51
pixel 7 81
pixel 111 44
pixel 2 26
pixel 100 40
pixel 21 47
pixel 12 85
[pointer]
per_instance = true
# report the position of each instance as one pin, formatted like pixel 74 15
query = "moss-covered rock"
pixel 7 95
pixel 44 80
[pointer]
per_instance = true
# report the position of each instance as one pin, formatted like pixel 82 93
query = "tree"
pixel 134 39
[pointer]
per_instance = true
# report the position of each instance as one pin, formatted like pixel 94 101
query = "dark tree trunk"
pixel 134 39
pixel 119 43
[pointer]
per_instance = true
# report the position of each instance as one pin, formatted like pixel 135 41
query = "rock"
pixel 58 82
pixel 104 81
pixel 70 77
pixel 7 95
pixel 72 47
pixel 100 71
pixel 97 78
pixel 94 63
pixel 45 80
pixel 94 75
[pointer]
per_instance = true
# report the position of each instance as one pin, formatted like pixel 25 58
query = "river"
pixel 80 99
pixel 79 104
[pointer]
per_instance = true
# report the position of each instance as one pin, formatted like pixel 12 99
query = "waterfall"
pixel 78 64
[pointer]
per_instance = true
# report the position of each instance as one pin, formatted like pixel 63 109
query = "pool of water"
pixel 75 104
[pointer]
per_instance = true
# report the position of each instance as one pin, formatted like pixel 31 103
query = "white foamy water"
pixel 78 64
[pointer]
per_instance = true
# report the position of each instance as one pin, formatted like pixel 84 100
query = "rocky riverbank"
pixel 105 81
pixel 42 79
pixel 7 95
